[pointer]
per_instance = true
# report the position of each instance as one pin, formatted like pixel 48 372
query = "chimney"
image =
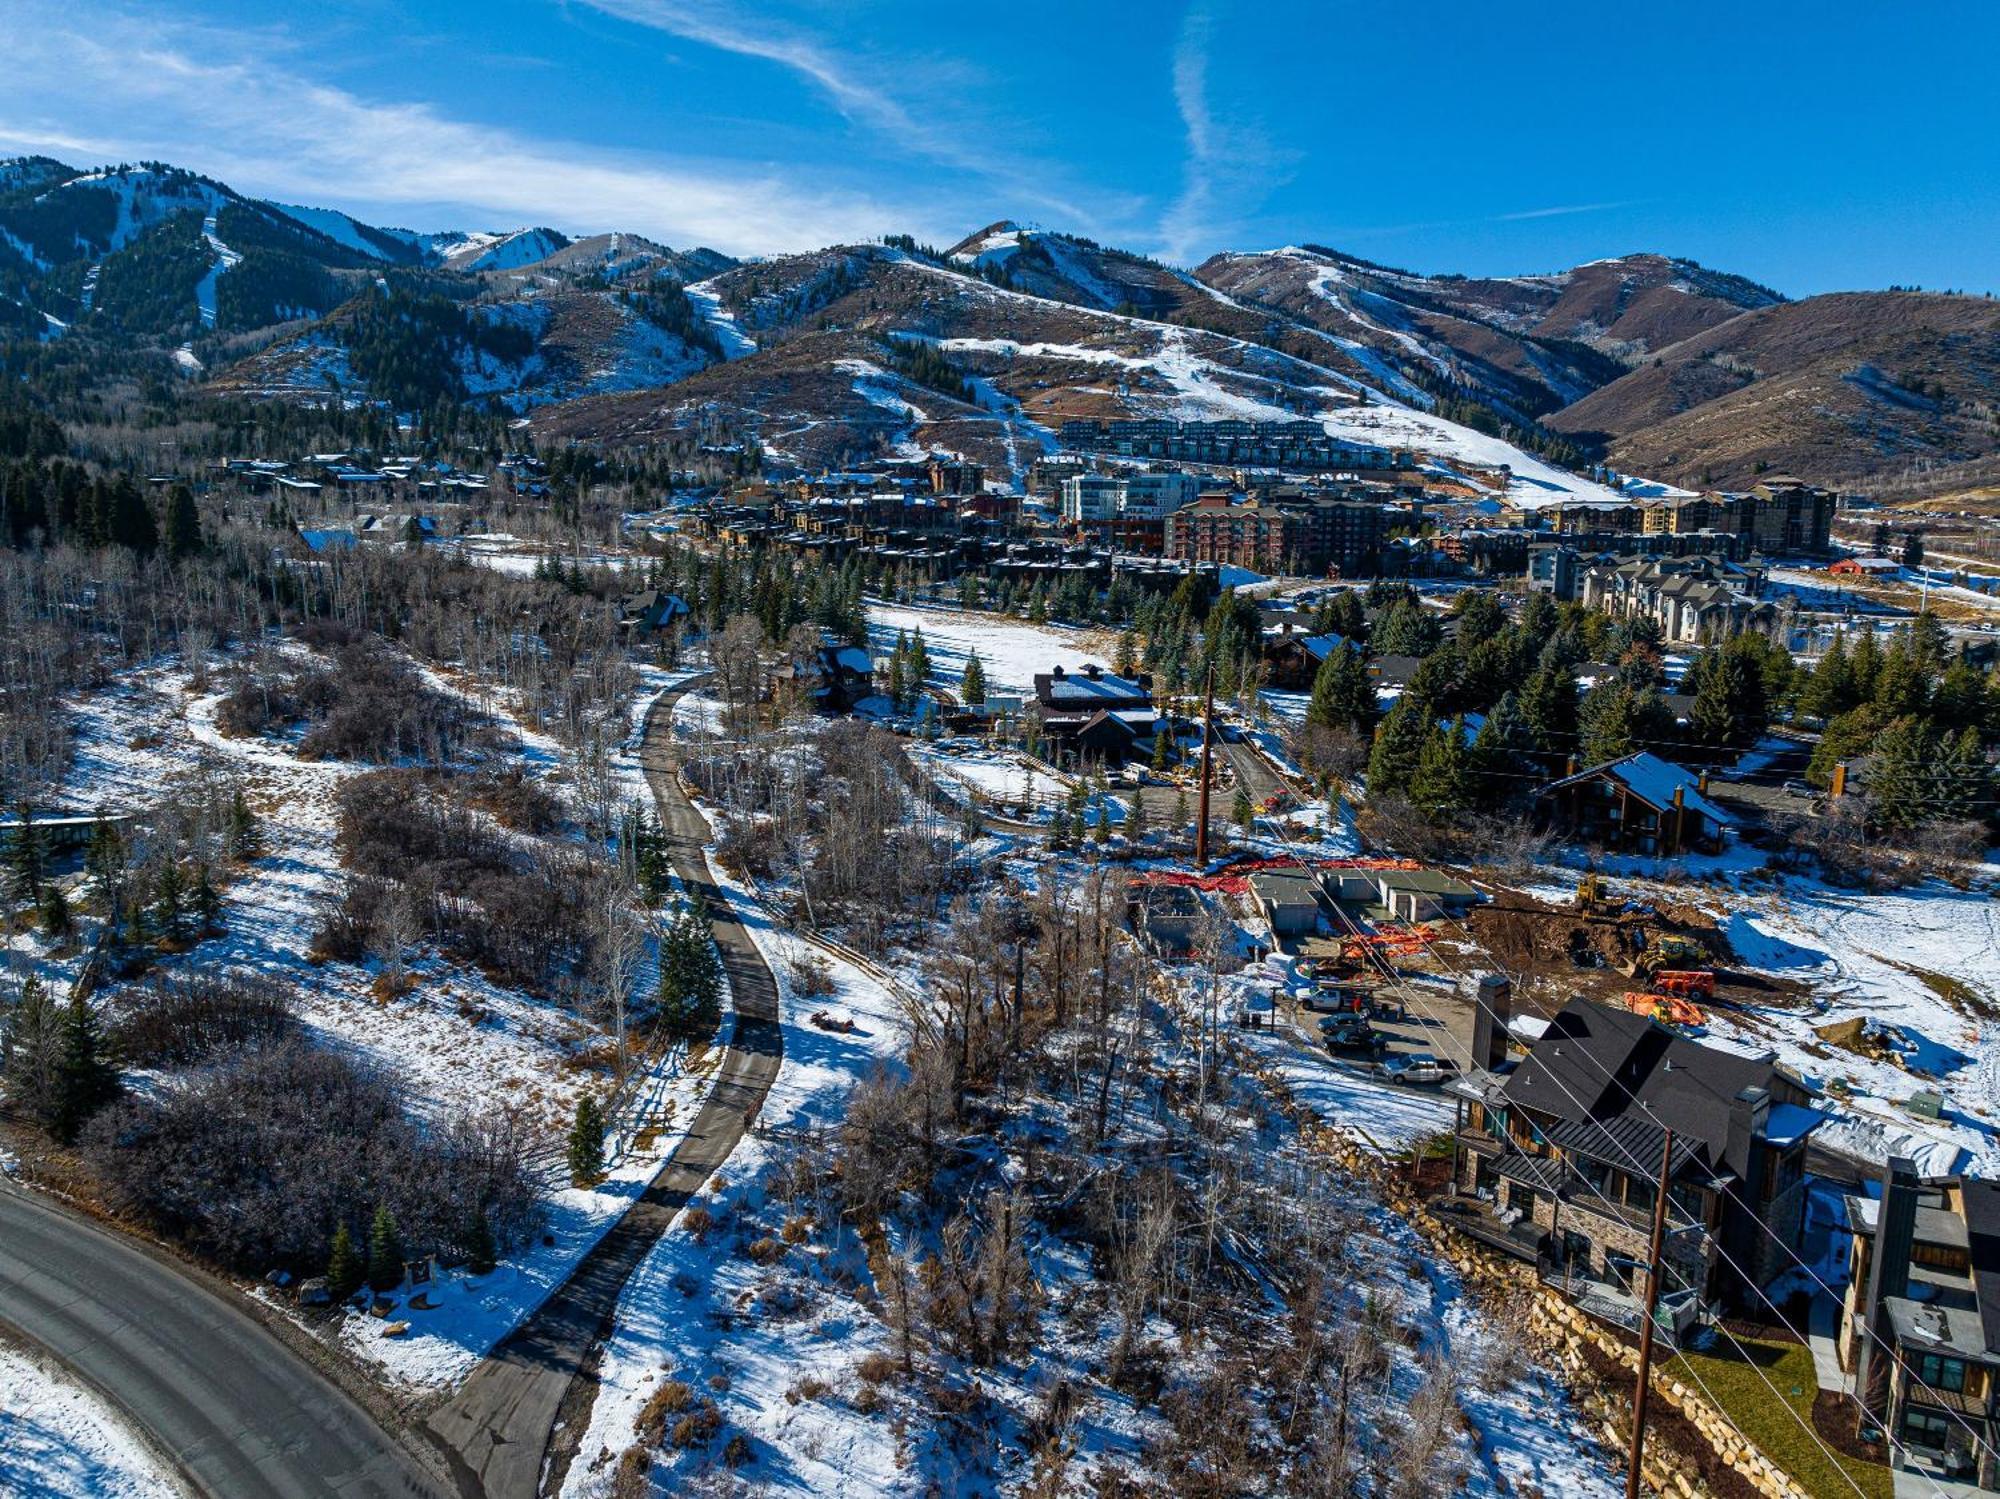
pixel 1093 671
pixel 1057 673
pixel 1490 1015
pixel 1888 1275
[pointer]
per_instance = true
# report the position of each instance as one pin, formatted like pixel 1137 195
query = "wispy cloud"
pixel 1563 211
pixel 1229 167
pixel 129 87
pixel 890 97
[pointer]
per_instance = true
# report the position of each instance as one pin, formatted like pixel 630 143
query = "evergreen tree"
pixel 31 1056
pixel 170 904
pixel 1711 722
pixel 1182 818
pixel 1242 812
pixel 1406 628
pixel 1549 709
pixel 1134 825
pixel 586 1142
pixel 129 521
pixel 1608 724
pixel 480 1253
pixel 1342 695
pixel 27 865
pixel 1500 753
pixel 1864 665
pixel 85 1080
pixel 183 528
pixel 1902 783
pixel 57 921
pixel 344 1270
pixel 385 1251
pixel 1399 745
pixel 1829 691
pixel 243 837
pixel 1443 783
pixel 690 978
pixel 207 904
pixel 1959 702
pixel 1126 661
pixel 972 687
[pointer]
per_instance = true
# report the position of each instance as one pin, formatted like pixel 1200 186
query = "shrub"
pixel 810 975
pixel 257 1160
pixel 192 1017
pixel 698 1427
pixel 876 1368
pixel 672 1398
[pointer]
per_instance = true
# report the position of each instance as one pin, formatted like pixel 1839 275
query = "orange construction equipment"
pixel 1669 1009
pixel 1687 983
pixel 1389 940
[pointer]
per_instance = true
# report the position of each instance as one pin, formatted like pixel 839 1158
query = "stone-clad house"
pixel 1558 1153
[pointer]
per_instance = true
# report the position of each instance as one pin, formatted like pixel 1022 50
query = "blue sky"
pixel 1811 146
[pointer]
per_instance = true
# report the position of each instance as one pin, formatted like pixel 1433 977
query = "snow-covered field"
pixel 58 1440
pixel 1010 651
pixel 992 774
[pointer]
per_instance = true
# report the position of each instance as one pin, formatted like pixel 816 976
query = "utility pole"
pixel 1653 1270
pixel 1207 760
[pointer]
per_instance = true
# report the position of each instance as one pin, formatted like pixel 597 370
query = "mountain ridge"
pixel 1653 362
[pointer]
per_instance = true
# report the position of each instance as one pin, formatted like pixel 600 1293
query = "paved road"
pixel 239 1412
pixel 1253 772
pixel 502 1422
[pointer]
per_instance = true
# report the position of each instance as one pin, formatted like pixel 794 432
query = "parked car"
pixel 1348 1033
pixel 1413 1068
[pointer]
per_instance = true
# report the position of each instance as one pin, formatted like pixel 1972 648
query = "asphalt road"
pixel 502 1422
pixel 1253 772
pixel 240 1414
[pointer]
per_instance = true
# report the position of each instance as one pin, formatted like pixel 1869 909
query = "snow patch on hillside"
pixel 708 302
pixel 225 260
pixel 506 252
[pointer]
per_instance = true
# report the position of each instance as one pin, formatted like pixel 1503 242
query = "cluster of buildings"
pixel 1691 598
pixel 1299 444
pixel 351 473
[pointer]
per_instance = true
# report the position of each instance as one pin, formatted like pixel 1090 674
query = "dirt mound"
pixel 1527 935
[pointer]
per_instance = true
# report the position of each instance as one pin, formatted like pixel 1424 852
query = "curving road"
pixel 236 1410
pixel 501 1426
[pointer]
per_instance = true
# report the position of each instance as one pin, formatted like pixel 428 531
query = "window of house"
pixel 1640 1194
pixel 1941 1373
pixel 1923 1428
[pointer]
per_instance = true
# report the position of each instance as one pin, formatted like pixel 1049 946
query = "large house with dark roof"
pixel 1558 1155
pixel 1092 716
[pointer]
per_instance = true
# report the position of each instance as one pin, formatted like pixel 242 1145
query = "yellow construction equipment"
pixel 1667 950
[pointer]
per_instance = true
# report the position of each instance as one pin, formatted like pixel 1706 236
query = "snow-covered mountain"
pixel 1536 373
